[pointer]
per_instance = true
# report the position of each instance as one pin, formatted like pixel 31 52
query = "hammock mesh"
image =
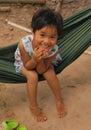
pixel 75 40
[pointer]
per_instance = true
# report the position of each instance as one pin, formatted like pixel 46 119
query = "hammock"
pixel 75 40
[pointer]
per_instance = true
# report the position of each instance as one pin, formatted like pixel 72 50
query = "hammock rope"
pixel 75 40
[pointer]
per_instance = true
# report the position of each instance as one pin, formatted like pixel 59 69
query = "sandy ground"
pixel 75 81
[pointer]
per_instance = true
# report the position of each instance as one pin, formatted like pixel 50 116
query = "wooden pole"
pixel 18 26
pixel 24 1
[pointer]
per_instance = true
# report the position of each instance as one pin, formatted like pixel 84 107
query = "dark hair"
pixel 45 17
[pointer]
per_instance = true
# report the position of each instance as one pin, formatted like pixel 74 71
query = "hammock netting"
pixel 75 40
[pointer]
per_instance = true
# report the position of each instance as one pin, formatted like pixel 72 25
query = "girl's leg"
pixel 32 84
pixel 53 82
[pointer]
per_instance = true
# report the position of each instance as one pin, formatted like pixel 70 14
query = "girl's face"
pixel 46 36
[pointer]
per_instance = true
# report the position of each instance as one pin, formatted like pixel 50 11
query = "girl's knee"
pixel 32 75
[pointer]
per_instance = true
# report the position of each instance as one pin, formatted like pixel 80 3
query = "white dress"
pixel 27 43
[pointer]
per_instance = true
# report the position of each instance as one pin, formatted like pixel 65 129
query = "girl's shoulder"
pixel 27 39
pixel 27 43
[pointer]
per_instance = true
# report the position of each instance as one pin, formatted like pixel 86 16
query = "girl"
pixel 36 54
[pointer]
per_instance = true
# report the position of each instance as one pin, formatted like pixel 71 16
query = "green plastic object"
pixel 21 128
pixel 10 124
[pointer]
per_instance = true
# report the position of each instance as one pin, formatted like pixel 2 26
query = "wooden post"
pixel 59 5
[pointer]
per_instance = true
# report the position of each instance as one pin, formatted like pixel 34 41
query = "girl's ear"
pixel 33 33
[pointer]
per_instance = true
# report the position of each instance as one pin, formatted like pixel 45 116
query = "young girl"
pixel 36 54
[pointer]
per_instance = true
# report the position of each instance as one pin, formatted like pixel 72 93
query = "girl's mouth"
pixel 45 47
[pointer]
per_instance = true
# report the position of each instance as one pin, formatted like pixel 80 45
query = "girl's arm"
pixel 29 63
pixel 43 66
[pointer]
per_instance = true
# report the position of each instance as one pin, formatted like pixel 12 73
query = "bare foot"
pixel 61 109
pixel 38 115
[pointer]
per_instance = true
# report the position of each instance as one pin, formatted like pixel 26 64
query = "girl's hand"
pixel 40 53
pixel 45 50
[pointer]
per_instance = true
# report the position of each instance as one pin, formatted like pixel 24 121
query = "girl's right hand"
pixel 38 54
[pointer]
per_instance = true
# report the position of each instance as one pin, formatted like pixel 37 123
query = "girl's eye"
pixel 42 35
pixel 53 37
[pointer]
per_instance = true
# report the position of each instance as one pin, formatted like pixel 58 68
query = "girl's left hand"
pixel 44 50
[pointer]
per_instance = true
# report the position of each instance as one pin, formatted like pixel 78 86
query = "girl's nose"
pixel 47 41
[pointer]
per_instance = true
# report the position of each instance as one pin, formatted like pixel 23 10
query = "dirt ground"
pixel 75 80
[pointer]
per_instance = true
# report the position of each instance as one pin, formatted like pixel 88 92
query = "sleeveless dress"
pixel 27 43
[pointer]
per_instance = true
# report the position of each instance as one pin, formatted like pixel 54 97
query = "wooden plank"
pixel 5 9
pixel 24 1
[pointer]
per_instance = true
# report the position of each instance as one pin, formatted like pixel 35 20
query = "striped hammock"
pixel 75 40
